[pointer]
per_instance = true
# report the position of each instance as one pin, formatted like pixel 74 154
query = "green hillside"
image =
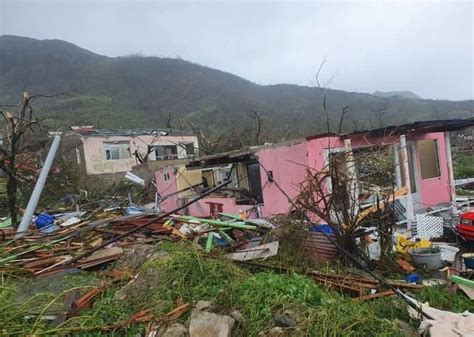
pixel 125 92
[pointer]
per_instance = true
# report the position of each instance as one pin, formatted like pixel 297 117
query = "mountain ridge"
pixel 135 91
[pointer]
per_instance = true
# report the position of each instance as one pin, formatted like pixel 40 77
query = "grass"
pixel 318 312
pixel 347 317
pixel 187 276
pixel 261 296
pixel 182 274
pixel 441 298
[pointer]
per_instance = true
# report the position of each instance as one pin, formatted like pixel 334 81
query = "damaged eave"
pixel 409 128
pixel 237 156
pixel 418 127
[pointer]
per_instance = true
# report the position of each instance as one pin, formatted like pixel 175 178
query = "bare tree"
pixel 380 112
pixel 23 136
pixel 168 120
pixel 345 110
pixel 208 143
pixel 256 115
pixel 322 90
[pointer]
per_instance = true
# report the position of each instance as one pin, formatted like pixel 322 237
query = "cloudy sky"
pixel 425 47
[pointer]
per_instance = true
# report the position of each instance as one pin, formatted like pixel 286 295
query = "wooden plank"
pixel 70 297
pixel 376 295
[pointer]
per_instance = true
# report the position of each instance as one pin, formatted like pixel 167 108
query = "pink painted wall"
pixel 316 148
pixel 436 190
pixel 201 208
pixel 166 187
pixel 288 164
pixel 432 191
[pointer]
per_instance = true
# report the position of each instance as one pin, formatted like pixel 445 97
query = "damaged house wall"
pixel 287 164
pixel 174 178
pixel 108 152
pixel 165 179
pixel 428 170
pixel 430 190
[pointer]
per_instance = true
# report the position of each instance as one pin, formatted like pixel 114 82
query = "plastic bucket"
pixel 468 260
pixel 421 257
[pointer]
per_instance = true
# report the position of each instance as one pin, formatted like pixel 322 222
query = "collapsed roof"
pixel 92 132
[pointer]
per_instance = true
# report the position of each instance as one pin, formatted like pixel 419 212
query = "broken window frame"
pixel 208 174
pixel 116 150
pixel 163 155
pixel 411 167
pixel 222 174
pixel 429 158
pixel 190 150
pixel 78 155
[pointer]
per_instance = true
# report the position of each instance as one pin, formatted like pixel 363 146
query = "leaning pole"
pixel 33 202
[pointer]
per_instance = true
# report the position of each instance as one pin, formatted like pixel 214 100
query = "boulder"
pixel 208 324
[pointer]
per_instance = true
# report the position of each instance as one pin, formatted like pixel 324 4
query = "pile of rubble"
pixel 87 240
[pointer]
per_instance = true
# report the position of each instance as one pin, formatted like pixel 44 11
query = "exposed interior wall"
pixel 147 170
pixel 288 166
pixel 186 178
pixel 430 191
pixel 242 176
pixel 72 151
pixel 170 179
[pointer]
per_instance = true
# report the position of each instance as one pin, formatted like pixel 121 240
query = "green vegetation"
pixel 441 298
pixel 178 273
pixel 463 165
pixel 261 296
pixel 188 276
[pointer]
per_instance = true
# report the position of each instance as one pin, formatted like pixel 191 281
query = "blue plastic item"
pixel 413 278
pixel 45 223
pixel 323 228
pixel 44 220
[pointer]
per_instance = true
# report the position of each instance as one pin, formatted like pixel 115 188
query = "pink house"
pixel 421 152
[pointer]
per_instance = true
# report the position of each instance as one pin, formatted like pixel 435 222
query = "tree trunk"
pixel 12 188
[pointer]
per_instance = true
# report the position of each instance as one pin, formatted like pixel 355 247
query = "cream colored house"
pixel 110 152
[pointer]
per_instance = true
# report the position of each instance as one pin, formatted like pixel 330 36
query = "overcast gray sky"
pixel 425 47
